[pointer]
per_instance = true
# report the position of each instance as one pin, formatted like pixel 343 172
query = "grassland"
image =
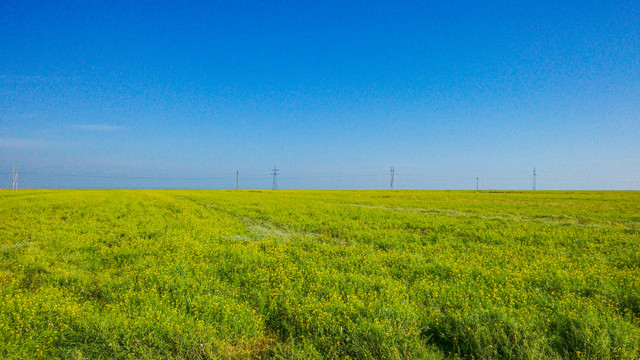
pixel 319 274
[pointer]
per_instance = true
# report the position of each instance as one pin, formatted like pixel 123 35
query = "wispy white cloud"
pixel 19 143
pixel 99 127
pixel 32 79
pixel 19 117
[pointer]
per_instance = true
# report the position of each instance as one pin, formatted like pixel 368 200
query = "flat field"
pixel 319 274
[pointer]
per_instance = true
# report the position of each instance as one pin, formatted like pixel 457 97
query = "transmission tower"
pixel 14 177
pixel 477 184
pixel 274 172
pixel 534 179
pixel 393 171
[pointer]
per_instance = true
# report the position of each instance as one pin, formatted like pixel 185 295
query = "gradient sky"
pixel 150 94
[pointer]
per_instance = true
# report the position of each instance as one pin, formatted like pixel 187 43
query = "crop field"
pixel 185 274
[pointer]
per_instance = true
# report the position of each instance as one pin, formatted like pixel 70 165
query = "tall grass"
pixel 319 275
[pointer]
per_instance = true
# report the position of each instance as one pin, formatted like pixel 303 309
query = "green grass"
pixel 119 274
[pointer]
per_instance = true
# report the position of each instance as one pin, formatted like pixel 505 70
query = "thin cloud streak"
pixel 18 143
pixel 33 79
pixel 99 127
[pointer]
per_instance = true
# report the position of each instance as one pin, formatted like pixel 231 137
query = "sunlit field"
pixel 113 274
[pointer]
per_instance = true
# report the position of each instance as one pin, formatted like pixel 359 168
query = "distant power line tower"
pixel 14 177
pixel 393 173
pixel 477 184
pixel 534 179
pixel 274 172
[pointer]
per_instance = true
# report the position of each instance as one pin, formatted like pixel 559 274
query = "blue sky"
pixel 150 94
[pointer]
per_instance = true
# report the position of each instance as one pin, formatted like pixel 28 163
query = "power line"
pixel 218 177
pixel 393 171
pixel 14 177
pixel 463 177
pixel 274 172
pixel 331 176
pixel 274 175
pixel 263 176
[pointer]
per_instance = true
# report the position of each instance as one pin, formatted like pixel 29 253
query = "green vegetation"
pixel 319 274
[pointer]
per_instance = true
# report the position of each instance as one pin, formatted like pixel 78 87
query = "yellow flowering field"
pixel 185 274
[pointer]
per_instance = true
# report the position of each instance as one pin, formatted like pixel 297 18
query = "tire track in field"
pixel 260 229
pixel 455 213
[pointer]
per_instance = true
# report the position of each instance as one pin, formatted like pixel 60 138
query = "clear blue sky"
pixel 158 94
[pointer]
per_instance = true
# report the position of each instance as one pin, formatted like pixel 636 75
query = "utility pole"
pixel 477 184
pixel 237 175
pixel 274 172
pixel 393 171
pixel 14 177
pixel 534 179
